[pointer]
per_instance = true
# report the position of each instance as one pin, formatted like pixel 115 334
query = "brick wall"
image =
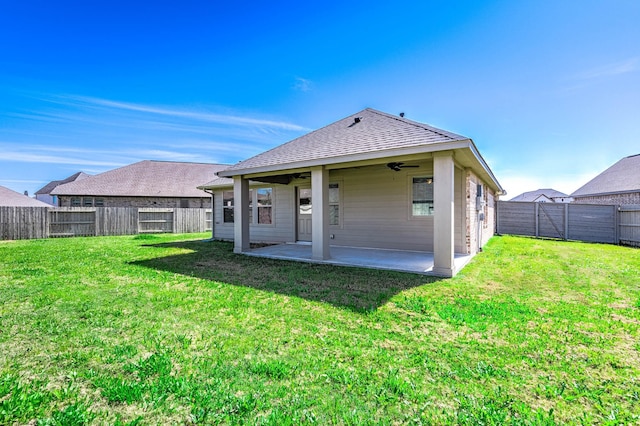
pixel 615 199
pixel 168 202
pixel 487 226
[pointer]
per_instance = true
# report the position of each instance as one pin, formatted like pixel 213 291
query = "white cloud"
pixel 86 158
pixel 21 181
pixel 87 101
pixel 302 84
pixel 29 157
pixel 616 68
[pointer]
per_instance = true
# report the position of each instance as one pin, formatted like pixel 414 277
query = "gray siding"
pixel 282 229
pixel 375 211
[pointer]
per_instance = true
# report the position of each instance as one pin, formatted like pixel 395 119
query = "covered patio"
pixel 411 197
pixel 416 262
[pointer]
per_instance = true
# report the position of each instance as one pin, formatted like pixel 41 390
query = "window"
pixel 76 201
pixel 227 206
pixel 184 204
pixel 99 202
pixel 334 204
pixel 264 201
pixel 422 196
pixel 87 202
pixel 260 200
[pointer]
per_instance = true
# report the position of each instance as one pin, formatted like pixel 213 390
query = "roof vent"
pixel 402 114
pixel 357 119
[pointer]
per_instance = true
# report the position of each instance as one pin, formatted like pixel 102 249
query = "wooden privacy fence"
pixel 581 222
pixel 43 222
pixel 23 223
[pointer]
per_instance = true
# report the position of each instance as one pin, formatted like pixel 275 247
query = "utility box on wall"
pixel 479 199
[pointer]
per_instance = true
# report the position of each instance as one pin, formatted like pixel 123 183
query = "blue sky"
pixel 548 90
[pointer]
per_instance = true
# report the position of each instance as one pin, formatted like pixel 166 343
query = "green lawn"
pixel 168 329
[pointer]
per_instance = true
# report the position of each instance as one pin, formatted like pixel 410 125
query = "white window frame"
pixel 411 177
pixel 253 207
pixel 340 204
pixel 231 207
pixel 257 206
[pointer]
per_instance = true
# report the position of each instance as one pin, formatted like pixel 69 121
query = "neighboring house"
pixel 371 180
pixel 9 198
pixel 547 195
pixel 619 184
pixel 44 193
pixel 144 184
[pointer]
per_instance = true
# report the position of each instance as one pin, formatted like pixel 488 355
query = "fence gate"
pixel 155 220
pixel 551 220
pixel 72 222
pixel 630 225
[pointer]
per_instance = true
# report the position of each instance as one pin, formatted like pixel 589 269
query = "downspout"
pixel 213 216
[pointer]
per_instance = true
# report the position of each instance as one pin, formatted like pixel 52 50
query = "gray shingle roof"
pixel 9 198
pixel 623 176
pixel 375 132
pixel 146 179
pixel 54 183
pixel 217 182
pixel 533 195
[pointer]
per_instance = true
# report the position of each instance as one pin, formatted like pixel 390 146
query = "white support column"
pixel 320 215
pixel 240 214
pixel 443 205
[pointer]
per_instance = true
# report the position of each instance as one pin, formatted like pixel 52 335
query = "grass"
pixel 168 329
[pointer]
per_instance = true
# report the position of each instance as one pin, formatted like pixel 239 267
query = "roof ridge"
pixel 424 126
pixel 301 136
pixel 179 162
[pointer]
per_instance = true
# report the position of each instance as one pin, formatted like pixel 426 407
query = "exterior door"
pixel 303 214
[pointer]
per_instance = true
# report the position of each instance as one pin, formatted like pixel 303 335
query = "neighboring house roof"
pixel 622 177
pixel 366 135
pixel 9 198
pixel 535 195
pixel 54 183
pixel 146 178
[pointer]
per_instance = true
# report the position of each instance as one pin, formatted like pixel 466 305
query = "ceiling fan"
pixel 397 166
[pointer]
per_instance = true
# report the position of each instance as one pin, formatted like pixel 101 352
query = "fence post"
pixel 535 209
pixel 566 221
pixel 616 221
pixel 175 221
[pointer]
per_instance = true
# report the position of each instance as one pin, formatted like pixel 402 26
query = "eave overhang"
pixel 470 157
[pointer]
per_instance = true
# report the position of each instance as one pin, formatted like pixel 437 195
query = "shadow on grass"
pixel 357 289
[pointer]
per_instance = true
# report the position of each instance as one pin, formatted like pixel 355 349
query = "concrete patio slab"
pixel 395 260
